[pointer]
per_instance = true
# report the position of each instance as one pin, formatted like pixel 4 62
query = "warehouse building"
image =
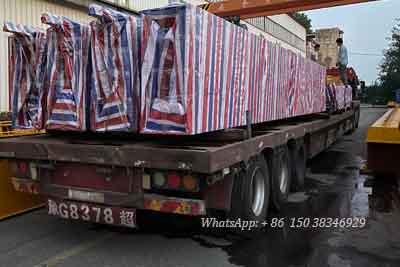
pixel 279 28
pixel 329 50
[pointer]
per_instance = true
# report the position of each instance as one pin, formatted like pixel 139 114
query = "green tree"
pixel 304 20
pixel 374 94
pixel 389 74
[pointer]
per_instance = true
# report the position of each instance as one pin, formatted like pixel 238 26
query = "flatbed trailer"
pixel 238 172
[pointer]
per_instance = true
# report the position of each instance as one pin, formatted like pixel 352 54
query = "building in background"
pixel 328 53
pixel 281 29
pixel 28 12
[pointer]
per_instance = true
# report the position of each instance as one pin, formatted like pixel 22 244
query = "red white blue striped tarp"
pixel 348 96
pixel 115 40
pixel 342 95
pixel 331 102
pixel 201 73
pixel 67 66
pixel 27 59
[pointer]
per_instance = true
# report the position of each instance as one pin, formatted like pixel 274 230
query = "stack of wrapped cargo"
pixel 201 73
pixel 348 96
pixel 331 103
pixel 27 60
pixel 66 71
pixel 175 70
pixel 115 88
pixel 342 94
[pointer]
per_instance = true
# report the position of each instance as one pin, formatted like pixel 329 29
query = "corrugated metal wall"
pixel 140 4
pixel 27 12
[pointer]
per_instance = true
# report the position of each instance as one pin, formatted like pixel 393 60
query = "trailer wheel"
pixel 282 174
pixel 251 192
pixel 299 160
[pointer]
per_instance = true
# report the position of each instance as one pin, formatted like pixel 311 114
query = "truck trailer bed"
pixel 207 153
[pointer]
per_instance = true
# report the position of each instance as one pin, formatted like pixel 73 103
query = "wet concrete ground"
pixel 334 189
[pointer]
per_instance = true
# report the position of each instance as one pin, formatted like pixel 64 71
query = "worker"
pixel 318 56
pixel 342 61
pixel 236 20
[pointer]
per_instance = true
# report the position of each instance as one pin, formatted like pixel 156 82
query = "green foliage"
pixel 389 75
pixel 383 89
pixel 304 20
pixel 375 94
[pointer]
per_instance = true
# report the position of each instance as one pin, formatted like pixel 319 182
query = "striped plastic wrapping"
pixel 201 73
pixel 348 97
pixel 342 96
pixel 66 71
pixel 27 58
pixel 331 101
pixel 115 89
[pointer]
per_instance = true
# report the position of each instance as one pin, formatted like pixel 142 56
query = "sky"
pixel 366 27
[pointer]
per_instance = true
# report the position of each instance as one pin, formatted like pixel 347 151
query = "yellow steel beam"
pixel 11 201
pixel 386 129
pixel 7 131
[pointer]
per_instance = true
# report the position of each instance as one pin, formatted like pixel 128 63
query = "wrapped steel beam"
pixel 67 67
pixel 348 96
pixel 115 40
pixel 201 73
pixel 27 59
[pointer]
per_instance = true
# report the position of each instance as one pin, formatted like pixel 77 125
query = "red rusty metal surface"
pixel 218 195
pixel 153 202
pixel 95 177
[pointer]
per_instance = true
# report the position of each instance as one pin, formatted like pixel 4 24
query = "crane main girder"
pixel 257 8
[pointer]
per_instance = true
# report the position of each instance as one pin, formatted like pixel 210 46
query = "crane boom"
pixel 257 8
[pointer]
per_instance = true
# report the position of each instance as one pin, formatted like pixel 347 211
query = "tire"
pixel 251 192
pixel 281 176
pixel 299 161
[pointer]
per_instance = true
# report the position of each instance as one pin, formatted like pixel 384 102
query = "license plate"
pixel 86 196
pixel 92 213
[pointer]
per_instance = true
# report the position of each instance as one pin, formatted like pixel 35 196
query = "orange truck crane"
pixel 258 8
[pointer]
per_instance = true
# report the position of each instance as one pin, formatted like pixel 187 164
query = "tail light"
pixel 159 179
pixel 33 171
pixel 190 183
pixel 146 181
pixel 172 181
pixel 23 167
